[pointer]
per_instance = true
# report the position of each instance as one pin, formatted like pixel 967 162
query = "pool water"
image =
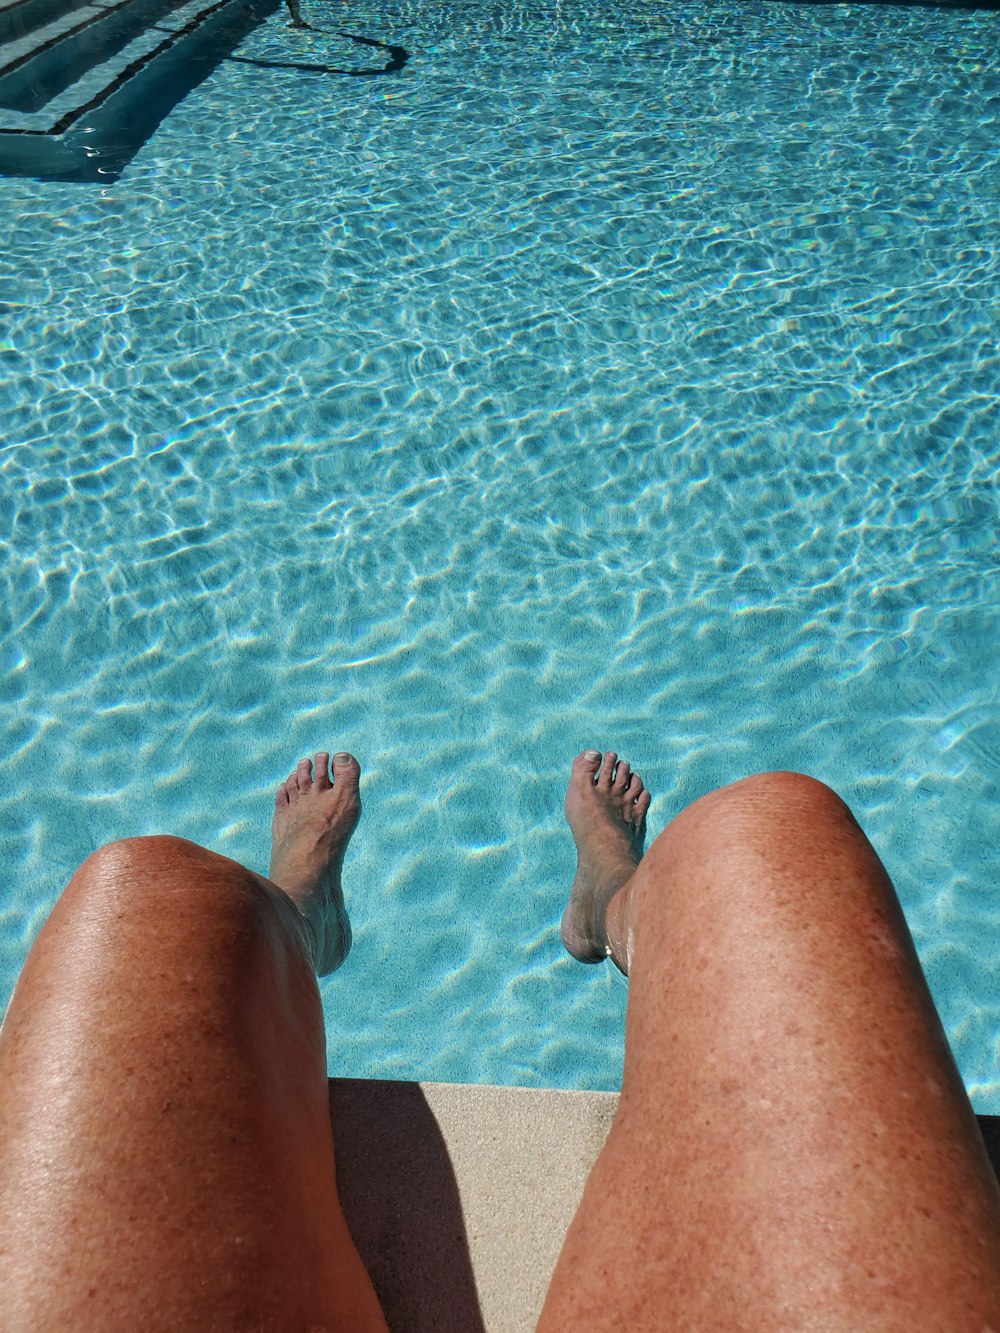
pixel 609 375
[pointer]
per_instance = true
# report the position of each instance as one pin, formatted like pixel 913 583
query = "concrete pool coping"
pixel 459 1195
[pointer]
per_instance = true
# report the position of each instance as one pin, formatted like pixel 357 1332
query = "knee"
pixel 771 799
pixel 159 851
pixel 795 790
pixel 133 871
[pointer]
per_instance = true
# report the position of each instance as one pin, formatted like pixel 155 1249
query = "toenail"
pixel 342 758
pixel 592 755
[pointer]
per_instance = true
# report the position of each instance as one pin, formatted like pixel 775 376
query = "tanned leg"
pixel 166 1161
pixel 793 1149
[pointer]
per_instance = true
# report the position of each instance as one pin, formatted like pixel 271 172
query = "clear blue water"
pixel 611 375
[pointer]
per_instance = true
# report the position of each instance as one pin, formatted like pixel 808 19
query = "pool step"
pixel 51 59
pixel 82 89
pixel 20 17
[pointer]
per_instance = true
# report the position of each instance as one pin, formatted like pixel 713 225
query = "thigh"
pixel 793 1148
pixel 165 1146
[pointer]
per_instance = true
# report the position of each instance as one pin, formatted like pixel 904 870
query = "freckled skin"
pixel 166 1157
pixel 793 1148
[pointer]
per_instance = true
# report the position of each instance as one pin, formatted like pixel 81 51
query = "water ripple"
pixel 605 377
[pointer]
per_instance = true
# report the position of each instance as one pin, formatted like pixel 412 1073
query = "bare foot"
pixel 313 822
pixel 606 812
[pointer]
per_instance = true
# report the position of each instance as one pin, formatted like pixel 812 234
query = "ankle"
pixel 617 927
pixel 311 935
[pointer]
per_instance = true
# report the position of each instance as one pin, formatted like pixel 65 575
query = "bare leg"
pixel 166 1160
pixel 793 1148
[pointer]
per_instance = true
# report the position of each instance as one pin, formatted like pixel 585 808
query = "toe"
pixel 346 769
pixel 585 765
pixel 622 774
pixel 281 797
pixel 634 788
pixel 640 808
pixel 322 768
pixel 608 771
pixel 303 774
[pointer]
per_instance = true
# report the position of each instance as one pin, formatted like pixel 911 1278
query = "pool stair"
pixel 83 83
pixel 459 1196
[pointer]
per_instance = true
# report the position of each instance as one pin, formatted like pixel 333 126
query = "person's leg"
pixel 793 1147
pixel 166 1160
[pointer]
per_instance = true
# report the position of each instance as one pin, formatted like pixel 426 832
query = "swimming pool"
pixel 614 375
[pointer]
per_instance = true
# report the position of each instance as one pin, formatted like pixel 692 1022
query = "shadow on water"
pixel 398 56
pixel 94 143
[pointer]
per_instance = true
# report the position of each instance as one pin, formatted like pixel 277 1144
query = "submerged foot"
pixel 314 818
pixel 606 808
